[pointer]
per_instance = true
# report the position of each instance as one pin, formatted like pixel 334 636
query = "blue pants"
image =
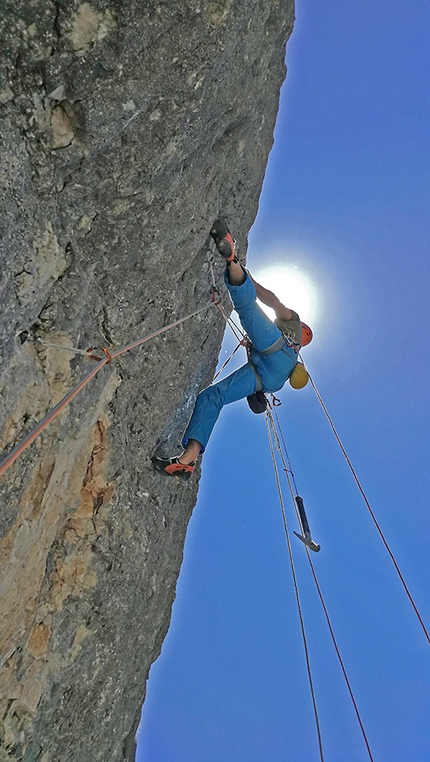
pixel 274 369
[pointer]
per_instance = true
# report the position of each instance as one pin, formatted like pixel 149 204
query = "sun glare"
pixel 292 287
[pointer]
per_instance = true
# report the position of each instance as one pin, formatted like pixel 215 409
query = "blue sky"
pixel 345 200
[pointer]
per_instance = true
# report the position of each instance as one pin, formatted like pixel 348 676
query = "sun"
pixel 293 287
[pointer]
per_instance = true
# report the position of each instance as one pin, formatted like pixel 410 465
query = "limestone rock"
pixel 126 129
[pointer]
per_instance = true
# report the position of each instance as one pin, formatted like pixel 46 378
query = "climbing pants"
pixel 274 369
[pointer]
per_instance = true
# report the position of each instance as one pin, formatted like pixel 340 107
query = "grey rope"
pixel 269 427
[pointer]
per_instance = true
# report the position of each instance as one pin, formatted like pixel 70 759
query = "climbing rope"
pixel 212 270
pixel 286 463
pixel 236 330
pixel 270 431
pixel 367 503
pixel 109 356
pixel 88 353
pixel 239 335
pixel 283 451
pixel 226 362
pixel 339 656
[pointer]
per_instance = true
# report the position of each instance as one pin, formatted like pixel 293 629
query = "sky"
pixel 345 204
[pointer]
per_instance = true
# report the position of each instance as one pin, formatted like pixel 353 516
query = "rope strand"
pixel 296 589
pixel 375 521
pixel 237 332
pixel 29 439
pixel 224 365
pixel 285 459
pixel 339 656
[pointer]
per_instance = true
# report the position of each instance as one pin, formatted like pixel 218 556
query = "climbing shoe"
pixel 172 467
pixel 224 241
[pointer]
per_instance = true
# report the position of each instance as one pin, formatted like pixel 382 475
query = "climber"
pixel 272 357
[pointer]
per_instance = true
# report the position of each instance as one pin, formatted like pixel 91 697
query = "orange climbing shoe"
pixel 224 241
pixel 172 467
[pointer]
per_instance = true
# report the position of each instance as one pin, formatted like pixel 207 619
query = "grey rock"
pixel 126 128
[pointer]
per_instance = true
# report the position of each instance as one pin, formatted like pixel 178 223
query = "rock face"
pixel 126 128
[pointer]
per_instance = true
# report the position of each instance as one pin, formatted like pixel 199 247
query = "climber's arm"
pixel 271 300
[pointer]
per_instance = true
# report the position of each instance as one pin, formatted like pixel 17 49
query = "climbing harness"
pixel 278 344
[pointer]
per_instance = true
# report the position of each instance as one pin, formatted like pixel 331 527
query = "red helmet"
pixel 307 335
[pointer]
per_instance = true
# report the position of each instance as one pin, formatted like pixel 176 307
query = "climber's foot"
pixel 223 240
pixel 173 467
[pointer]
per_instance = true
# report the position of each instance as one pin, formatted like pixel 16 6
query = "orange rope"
pixel 109 356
